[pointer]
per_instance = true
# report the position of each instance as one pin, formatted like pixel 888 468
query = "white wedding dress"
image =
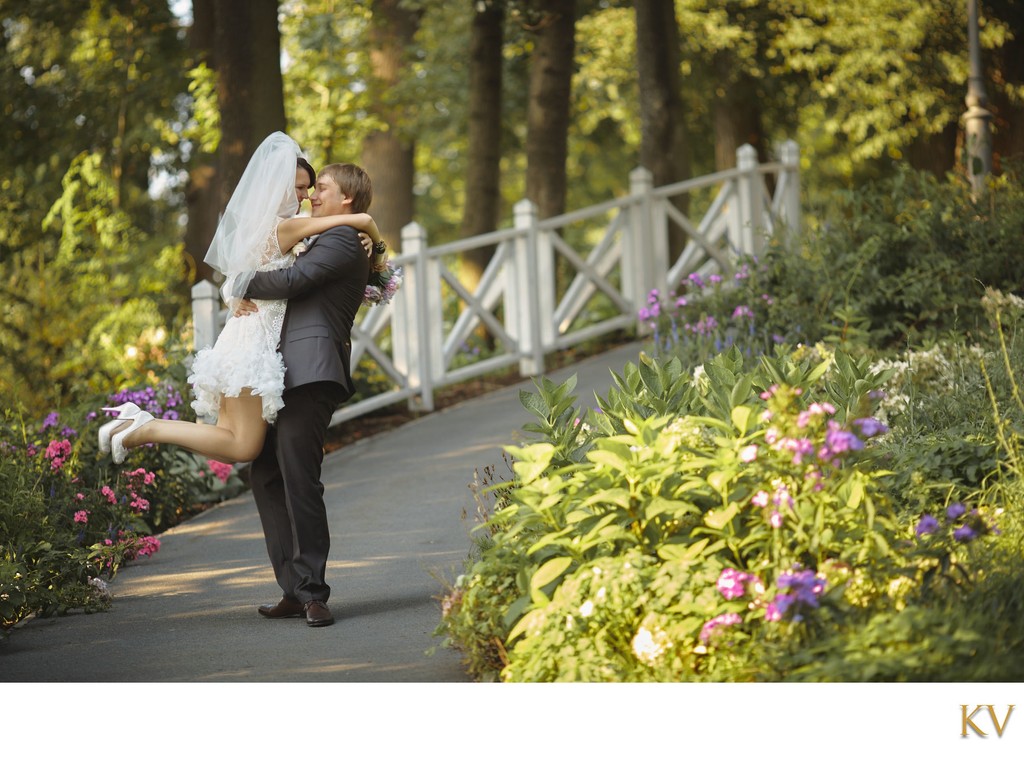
pixel 245 354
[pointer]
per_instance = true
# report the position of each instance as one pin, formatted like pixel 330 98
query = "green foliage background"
pixel 858 85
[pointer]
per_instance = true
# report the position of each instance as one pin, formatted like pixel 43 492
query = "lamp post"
pixel 977 132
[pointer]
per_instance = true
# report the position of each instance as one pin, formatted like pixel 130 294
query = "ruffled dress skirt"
pixel 244 356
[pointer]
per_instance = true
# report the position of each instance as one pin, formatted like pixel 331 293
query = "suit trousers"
pixel 285 480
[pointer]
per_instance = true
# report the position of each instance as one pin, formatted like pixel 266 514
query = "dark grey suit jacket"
pixel 324 289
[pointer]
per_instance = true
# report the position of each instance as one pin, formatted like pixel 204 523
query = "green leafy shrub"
pixel 903 260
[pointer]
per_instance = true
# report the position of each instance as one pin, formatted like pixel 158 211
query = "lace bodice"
pixel 272 257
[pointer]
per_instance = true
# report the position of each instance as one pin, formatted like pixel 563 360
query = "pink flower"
pixel 147 545
pixel 732 583
pixel 57 452
pixel 220 469
pixel 760 499
pixel 722 621
pixel 147 477
pixel 109 493
pixel 782 496
pixel 79 497
pixel 748 453
pixel 81 516
pixel 775 520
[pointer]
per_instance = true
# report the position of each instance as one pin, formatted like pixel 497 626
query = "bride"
pixel 240 379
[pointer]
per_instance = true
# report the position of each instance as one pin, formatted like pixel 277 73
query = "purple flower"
pixel 652 297
pixel 965 533
pixel 840 441
pixel 956 509
pixel 50 421
pixel 870 427
pixel 696 280
pixel 927 525
pixel 706 326
pixel 742 311
pixel 804 588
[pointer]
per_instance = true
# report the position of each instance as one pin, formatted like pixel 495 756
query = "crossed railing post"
pixel 529 298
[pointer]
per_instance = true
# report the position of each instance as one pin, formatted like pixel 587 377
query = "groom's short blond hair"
pixel 353 182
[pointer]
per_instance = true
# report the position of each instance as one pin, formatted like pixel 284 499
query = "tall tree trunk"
pixel 483 162
pixel 1007 113
pixel 202 195
pixel 547 141
pixel 664 147
pixel 387 155
pixel 737 113
pixel 249 86
pixel 935 153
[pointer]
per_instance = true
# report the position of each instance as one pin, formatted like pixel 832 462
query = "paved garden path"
pixel 395 503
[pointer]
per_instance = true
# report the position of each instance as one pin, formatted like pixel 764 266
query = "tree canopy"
pixel 111 113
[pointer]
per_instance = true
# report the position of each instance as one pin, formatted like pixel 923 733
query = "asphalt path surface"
pixel 396 504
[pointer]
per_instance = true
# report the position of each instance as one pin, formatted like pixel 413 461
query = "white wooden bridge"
pixel 553 283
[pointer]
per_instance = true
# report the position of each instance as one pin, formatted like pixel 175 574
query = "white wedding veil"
pixel 264 194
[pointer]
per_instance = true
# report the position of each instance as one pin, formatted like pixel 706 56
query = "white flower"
pixel 100 588
pixel 587 609
pixel 601 594
pixel 648 646
pixel 748 454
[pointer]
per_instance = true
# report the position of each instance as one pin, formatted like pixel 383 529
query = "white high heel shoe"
pixel 117 439
pixel 124 412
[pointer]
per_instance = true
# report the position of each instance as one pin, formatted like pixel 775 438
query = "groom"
pixel 324 289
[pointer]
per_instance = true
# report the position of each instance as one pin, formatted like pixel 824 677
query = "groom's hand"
pixel 245 307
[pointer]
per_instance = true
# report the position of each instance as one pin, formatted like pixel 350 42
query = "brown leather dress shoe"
pixel 317 613
pixel 283 609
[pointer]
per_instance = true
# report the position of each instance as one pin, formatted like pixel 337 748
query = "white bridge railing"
pixel 552 283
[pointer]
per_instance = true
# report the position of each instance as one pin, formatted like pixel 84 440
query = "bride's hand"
pixel 367 242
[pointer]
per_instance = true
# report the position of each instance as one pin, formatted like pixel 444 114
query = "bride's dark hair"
pixel 302 163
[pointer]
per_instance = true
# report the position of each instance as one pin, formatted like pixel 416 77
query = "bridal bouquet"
pixel 382 286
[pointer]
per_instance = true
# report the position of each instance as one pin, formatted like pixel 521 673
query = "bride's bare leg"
pixel 237 436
